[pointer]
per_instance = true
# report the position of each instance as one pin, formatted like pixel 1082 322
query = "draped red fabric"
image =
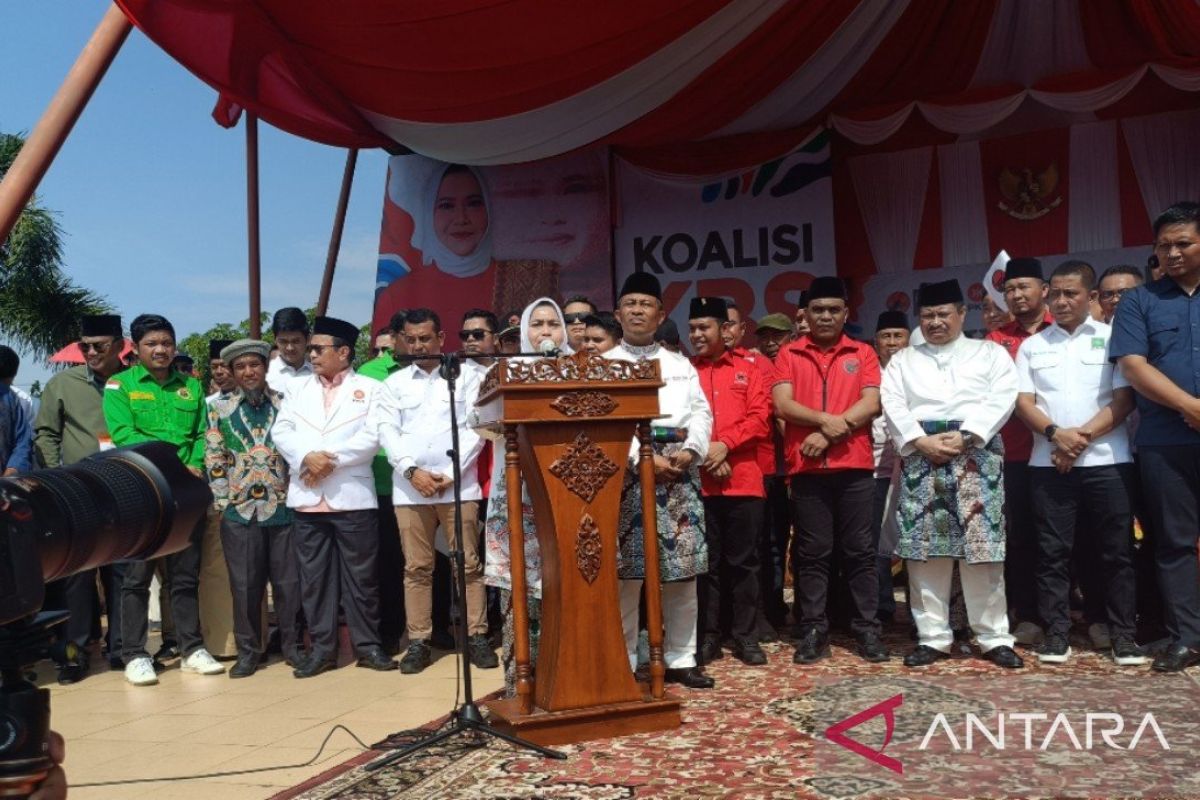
pixel 1128 33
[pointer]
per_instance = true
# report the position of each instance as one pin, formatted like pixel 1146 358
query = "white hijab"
pixel 413 183
pixel 527 315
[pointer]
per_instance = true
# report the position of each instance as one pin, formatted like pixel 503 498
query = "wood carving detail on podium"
pixel 587 548
pixel 584 404
pixel 583 468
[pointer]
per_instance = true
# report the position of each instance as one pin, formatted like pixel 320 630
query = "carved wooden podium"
pixel 568 423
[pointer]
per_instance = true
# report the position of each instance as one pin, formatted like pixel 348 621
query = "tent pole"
pixel 60 116
pixel 252 226
pixel 335 238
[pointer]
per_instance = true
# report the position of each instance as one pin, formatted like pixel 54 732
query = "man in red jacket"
pixel 827 391
pixel 1025 293
pixel 731 482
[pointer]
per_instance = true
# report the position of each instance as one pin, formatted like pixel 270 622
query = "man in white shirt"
pixel 325 433
pixel 290 328
pixel 945 401
pixel 413 420
pixel 1076 402
pixel 680 445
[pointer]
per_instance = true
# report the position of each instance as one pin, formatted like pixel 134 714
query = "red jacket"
pixel 1018 439
pixel 831 381
pixel 737 393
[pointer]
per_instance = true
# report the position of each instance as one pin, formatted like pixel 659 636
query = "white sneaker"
pixel 140 672
pixel 202 663
pixel 1029 633
pixel 1098 633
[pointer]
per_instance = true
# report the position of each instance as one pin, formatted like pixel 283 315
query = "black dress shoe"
pixel 748 652
pixel 417 658
pixel 315 665
pixel 296 658
pixel 811 648
pixel 710 651
pixel 1176 658
pixel 871 648
pixel 245 667
pixel 923 656
pixel 374 658
pixel 1004 656
pixel 72 673
pixel 691 677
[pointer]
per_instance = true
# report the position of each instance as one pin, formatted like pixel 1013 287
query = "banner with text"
pixel 757 237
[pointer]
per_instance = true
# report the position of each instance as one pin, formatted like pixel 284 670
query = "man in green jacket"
pixel 69 428
pixel 151 401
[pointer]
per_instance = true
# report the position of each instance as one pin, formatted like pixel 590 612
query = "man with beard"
pixel 945 400
pixel 1025 293
pixel 730 482
pixel 68 428
pixel 249 483
pixel 681 445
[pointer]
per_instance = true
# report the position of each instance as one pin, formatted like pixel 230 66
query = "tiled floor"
pixel 192 724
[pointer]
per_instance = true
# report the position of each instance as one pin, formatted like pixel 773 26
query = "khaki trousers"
pixel 216 598
pixel 418 527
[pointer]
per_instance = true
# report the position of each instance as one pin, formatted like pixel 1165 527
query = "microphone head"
pixel 547 346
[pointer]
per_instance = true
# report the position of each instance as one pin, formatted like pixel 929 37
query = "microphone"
pixel 547 347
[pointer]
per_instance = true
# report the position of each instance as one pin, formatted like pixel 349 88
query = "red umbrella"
pixel 71 354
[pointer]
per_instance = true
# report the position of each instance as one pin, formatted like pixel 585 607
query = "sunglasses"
pixel 474 334
pixel 319 348
pixel 575 319
pixel 97 347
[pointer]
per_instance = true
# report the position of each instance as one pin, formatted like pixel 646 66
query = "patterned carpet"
pixel 761 734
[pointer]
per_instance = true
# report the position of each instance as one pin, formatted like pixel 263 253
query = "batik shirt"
pixel 249 478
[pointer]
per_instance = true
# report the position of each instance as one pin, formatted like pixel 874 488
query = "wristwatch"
pixel 408 473
pixel 1049 432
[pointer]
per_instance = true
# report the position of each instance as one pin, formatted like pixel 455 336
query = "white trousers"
pixel 983 591
pixel 679 607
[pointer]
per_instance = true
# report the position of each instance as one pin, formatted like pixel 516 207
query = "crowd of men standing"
pixel 1007 473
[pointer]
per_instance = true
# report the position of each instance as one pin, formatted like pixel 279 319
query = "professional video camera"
pixel 133 503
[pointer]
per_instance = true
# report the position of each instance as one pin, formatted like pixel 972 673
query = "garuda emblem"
pixel 1029 196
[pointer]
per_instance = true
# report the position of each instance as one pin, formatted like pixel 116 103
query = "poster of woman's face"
pixel 460 214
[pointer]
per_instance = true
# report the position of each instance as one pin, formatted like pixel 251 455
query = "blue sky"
pixel 152 193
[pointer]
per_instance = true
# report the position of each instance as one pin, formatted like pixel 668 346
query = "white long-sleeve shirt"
pixel 968 379
pixel 413 420
pixel 681 401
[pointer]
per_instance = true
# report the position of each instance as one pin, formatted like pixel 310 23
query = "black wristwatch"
pixel 408 473
pixel 1049 432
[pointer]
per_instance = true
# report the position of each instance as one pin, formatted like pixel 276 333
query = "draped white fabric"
pixel 590 114
pixel 1029 41
pixel 964 220
pixel 826 73
pixel 891 196
pixel 1165 157
pixel 971 118
pixel 1094 208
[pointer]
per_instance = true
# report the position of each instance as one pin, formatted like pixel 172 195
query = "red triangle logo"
pixel 837 733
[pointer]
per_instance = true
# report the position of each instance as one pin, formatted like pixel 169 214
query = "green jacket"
pixel 138 409
pixel 70 419
pixel 379 368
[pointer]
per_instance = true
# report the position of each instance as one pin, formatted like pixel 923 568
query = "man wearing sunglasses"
pixel 575 313
pixel 478 337
pixel 68 428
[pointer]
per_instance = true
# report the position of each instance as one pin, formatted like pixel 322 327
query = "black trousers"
pixel 732 526
pixel 1171 483
pixel 338 565
pixel 255 555
pixel 773 547
pixel 831 509
pixel 182 570
pixel 112 578
pixel 1021 549
pixel 391 575
pixel 1096 502
pixel 75 594
pixel 883 563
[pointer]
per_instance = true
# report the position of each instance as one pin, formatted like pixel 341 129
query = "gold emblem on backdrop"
pixel 1027 195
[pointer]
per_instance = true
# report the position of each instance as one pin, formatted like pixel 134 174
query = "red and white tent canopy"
pixel 726 82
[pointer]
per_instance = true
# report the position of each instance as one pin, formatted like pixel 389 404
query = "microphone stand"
pixel 467 717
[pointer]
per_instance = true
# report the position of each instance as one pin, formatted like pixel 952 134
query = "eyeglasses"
pixel 476 334
pixel 1112 294
pixel 574 319
pixel 97 347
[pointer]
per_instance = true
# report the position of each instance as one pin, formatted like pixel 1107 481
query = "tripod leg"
pixel 483 727
pixel 414 747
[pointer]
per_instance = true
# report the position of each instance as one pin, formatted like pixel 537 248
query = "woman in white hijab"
pixel 541 321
